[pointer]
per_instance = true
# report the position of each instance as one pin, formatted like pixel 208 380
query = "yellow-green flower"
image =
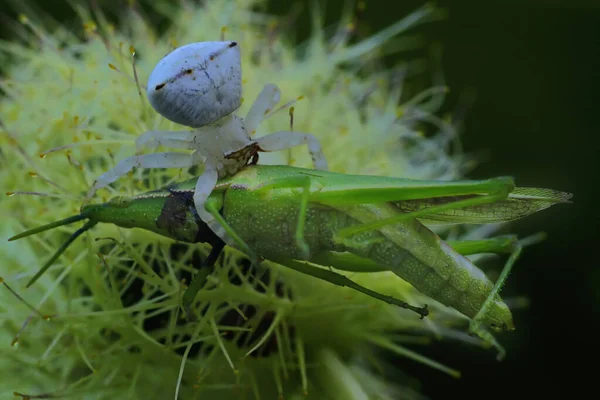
pixel 116 331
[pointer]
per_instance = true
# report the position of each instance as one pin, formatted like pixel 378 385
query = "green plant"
pixel 116 331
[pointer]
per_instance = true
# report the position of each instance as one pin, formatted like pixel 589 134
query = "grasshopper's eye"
pixel 198 83
pixel 120 201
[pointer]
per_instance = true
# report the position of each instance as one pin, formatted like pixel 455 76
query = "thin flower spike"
pixel 124 308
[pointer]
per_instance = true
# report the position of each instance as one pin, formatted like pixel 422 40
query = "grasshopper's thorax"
pixel 268 225
pixel 416 254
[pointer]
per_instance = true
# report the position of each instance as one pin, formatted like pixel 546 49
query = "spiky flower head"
pixel 116 330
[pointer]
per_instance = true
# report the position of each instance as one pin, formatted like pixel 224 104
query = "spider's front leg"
pixel 266 100
pixel 207 151
pixel 264 103
pixel 157 160
pixel 209 211
pixel 288 139
pixel 188 140
pixel 174 139
pixel 204 187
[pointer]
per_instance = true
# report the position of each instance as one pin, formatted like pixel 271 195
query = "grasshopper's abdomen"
pixel 419 256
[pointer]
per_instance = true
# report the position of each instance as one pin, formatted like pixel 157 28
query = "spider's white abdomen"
pixel 198 83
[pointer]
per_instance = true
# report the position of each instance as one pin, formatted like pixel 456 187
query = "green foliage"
pixel 116 330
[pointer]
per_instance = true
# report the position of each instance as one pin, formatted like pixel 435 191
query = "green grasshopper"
pixel 300 217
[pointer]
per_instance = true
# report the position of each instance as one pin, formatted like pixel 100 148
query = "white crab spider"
pixel 200 85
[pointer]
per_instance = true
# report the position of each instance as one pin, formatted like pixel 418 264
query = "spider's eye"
pixel 197 84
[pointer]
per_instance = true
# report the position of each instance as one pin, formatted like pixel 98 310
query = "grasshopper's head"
pixel 75 218
pixel 499 317
pixel 168 213
pixel 119 202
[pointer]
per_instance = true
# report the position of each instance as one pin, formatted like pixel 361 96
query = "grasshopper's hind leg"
pixel 475 326
pixel 341 280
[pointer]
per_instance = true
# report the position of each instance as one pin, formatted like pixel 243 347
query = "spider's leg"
pixel 174 139
pixel 189 140
pixel 210 215
pixel 266 100
pixel 158 160
pixel 204 187
pixel 288 139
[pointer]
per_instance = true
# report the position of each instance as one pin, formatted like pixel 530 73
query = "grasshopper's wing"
pixel 520 203
pixel 409 195
pixel 347 189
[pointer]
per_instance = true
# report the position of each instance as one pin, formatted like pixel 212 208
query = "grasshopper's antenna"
pixel 88 225
pixel 49 226
pixel 62 248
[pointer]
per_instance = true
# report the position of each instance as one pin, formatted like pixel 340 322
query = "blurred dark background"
pixel 534 67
